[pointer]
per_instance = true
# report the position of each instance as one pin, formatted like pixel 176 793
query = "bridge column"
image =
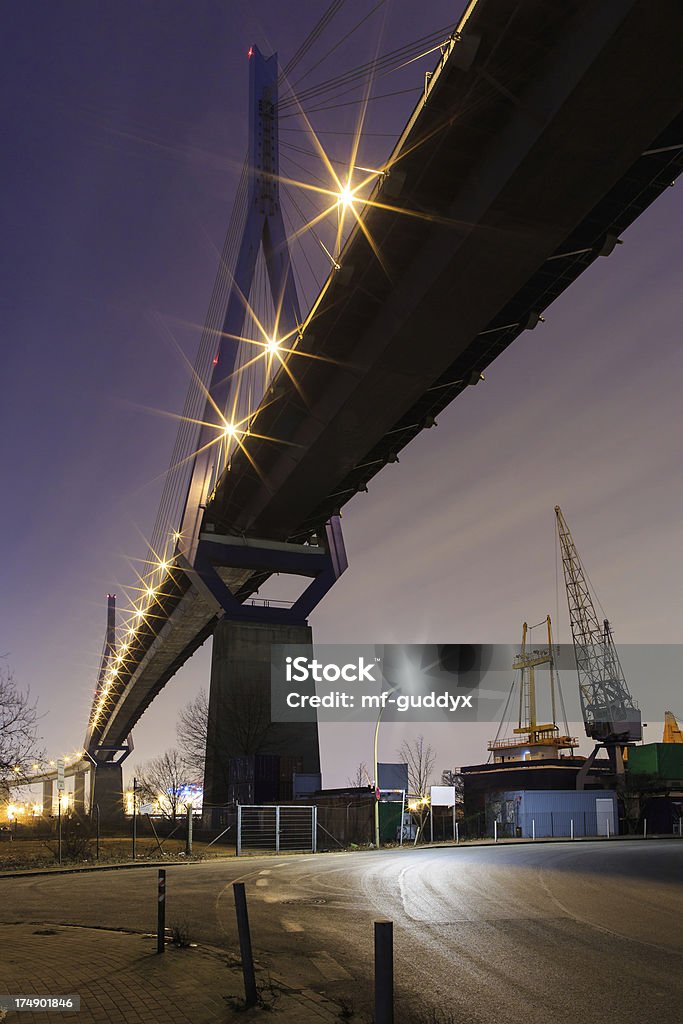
pixel 48 793
pixel 106 791
pixel 239 722
pixel 79 793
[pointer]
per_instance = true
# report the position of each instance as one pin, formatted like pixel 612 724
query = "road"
pixel 585 932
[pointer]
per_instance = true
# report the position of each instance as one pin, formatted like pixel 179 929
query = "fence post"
pixel 495 830
pixel 533 829
pixel 238 841
pixel 277 829
pixel 245 944
pixel 644 828
pixel 135 819
pixel 161 910
pixel 188 838
pixel 384 972
pixel 314 827
pixel 457 832
pixel 571 828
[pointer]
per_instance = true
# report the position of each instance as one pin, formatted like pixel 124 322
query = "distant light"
pixel 176 533
pixel 229 430
pixel 272 345
pixel 250 51
pixel 346 196
pixel 215 360
pixel 150 591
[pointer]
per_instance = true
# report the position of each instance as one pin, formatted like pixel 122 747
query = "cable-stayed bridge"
pixel 541 134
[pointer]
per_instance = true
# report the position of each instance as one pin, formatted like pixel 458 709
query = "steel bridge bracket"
pixel 324 564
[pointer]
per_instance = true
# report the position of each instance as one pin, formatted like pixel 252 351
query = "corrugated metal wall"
pixel 553 813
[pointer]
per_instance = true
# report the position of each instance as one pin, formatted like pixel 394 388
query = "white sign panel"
pixel 443 796
pixel 60 775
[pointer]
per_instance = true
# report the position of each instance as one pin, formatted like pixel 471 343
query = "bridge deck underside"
pixel 535 150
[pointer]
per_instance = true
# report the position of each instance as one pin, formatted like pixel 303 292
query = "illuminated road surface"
pixel 584 932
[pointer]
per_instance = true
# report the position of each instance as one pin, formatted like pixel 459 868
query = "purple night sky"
pixel 125 129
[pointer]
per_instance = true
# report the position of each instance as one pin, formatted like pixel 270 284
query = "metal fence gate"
pixel 276 828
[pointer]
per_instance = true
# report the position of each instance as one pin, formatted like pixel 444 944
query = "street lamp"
pixel 379 717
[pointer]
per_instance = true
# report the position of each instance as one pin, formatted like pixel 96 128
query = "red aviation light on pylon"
pixel 250 51
pixel 215 360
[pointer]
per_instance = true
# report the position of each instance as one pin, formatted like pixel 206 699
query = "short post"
pixel 455 826
pixel 644 828
pixel 245 944
pixel 680 829
pixel 59 827
pixel 457 832
pixel 97 831
pixel 607 824
pixel 188 838
pixel 495 830
pixel 161 911
pixel 384 972
pixel 238 841
pixel 403 811
pixel 431 824
pixel 571 829
pixel 533 829
pixel 135 820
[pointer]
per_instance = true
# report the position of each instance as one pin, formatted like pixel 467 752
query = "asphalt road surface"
pixel 518 934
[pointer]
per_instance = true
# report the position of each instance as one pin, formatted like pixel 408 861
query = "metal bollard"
pixel 188 838
pixel 245 944
pixel 161 911
pixel 384 972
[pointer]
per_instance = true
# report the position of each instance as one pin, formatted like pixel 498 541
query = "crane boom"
pixel 609 712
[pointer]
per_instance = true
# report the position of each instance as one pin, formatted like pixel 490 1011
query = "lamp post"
pixel 379 718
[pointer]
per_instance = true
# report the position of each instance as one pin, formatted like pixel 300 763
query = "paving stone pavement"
pixel 121 980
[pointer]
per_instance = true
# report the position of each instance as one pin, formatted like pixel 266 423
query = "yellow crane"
pixel 672 730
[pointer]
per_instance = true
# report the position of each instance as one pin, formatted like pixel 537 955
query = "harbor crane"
pixel 611 716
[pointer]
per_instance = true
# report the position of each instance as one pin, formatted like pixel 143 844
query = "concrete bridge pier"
pixel 239 722
pixel 106 791
pixel 48 796
pixel 79 793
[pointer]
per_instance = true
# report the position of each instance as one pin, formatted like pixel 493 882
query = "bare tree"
pixel 420 758
pixel 360 778
pixel 164 779
pixel 18 729
pixel 191 730
pixel 454 777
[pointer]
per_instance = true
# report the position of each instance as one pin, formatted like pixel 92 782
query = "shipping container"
pixel 665 760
